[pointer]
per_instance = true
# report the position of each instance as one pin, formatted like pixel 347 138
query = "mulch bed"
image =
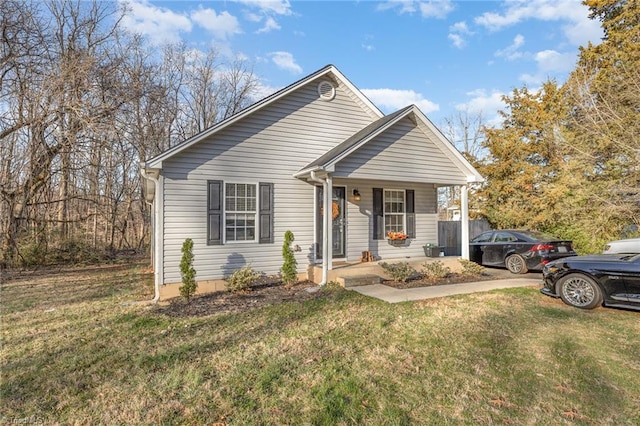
pixel 454 278
pixel 271 291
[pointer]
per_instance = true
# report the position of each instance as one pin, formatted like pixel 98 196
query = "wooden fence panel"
pixel 450 234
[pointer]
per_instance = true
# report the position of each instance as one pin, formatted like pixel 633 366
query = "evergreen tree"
pixel 188 273
pixel 289 270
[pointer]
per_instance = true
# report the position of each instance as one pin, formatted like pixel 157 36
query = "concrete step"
pixel 359 280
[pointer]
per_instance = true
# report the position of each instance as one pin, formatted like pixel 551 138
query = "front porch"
pixel 350 274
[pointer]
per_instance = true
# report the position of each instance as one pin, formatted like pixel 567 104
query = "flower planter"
pixel 398 243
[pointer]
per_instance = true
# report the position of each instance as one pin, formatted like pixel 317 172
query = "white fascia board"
pixel 470 171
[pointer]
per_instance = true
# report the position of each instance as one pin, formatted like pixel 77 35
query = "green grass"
pixel 74 352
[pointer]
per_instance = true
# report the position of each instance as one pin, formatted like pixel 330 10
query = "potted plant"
pixel 397 239
pixel 431 250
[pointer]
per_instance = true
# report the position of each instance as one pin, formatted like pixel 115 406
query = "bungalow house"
pixel 317 158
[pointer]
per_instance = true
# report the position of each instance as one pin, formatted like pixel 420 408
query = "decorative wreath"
pixel 335 211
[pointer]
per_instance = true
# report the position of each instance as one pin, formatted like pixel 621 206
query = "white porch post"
pixel 328 217
pixel 464 213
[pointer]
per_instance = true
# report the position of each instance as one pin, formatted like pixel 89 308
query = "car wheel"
pixel 580 291
pixel 516 264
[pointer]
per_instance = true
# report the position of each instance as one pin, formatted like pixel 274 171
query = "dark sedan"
pixel 590 281
pixel 518 251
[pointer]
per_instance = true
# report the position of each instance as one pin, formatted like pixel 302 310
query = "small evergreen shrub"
pixel 242 279
pixel 289 270
pixel 188 273
pixel 435 270
pixel 400 271
pixel 471 268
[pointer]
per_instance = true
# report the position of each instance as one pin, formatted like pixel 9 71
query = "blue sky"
pixel 444 56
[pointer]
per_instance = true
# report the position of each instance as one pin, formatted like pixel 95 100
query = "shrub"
pixel 188 273
pixel 400 271
pixel 242 279
pixel 435 269
pixel 289 270
pixel 471 268
pixel 33 253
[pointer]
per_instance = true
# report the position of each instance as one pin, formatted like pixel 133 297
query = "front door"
pixel 337 214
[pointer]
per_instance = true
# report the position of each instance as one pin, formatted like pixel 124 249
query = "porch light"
pixel 356 195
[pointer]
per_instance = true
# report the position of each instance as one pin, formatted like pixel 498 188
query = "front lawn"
pixel 74 351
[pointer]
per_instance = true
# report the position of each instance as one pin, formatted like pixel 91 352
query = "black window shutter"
pixel 266 213
pixel 214 212
pixel 378 214
pixel 411 213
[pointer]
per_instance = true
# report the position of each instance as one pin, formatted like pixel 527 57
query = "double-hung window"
pixel 240 212
pixel 394 211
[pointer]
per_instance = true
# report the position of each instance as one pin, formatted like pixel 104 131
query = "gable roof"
pixel 156 162
pixel 328 160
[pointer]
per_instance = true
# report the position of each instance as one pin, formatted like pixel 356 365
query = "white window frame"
pixel 256 230
pixel 403 214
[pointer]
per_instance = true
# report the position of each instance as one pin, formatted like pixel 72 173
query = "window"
pixel 483 238
pixel 394 210
pixel 240 212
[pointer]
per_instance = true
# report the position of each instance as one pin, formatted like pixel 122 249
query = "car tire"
pixel 516 264
pixel 580 291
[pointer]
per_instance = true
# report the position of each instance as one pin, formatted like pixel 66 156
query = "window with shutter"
pixel 239 212
pixel 214 212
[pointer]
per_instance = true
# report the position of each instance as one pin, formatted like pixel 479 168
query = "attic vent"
pixel 326 91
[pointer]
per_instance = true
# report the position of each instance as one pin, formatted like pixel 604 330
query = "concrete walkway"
pixel 394 295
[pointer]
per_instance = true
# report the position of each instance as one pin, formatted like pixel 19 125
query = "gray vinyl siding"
pixel 360 228
pixel 269 145
pixel 401 154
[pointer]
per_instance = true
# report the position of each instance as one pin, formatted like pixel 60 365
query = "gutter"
pixel 154 253
pixel 325 237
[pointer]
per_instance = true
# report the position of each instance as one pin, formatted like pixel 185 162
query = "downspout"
pixel 156 237
pixel 325 233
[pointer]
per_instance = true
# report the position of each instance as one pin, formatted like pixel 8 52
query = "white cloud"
pixel 277 7
pixel 159 24
pixel 549 63
pixel 285 61
pixel 269 25
pixel 487 104
pixel 457 40
pixel 222 25
pixel 264 90
pixel 435 9
pixel 582 32
pixel 266 10
pixel 579 30
pixel 391 99
pixel 511 52
pixel 428 9
pixel 456 32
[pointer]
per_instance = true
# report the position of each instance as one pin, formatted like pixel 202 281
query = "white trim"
pixel 404 213
pixel 255 213
pixel 464 217
pixel 159 200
